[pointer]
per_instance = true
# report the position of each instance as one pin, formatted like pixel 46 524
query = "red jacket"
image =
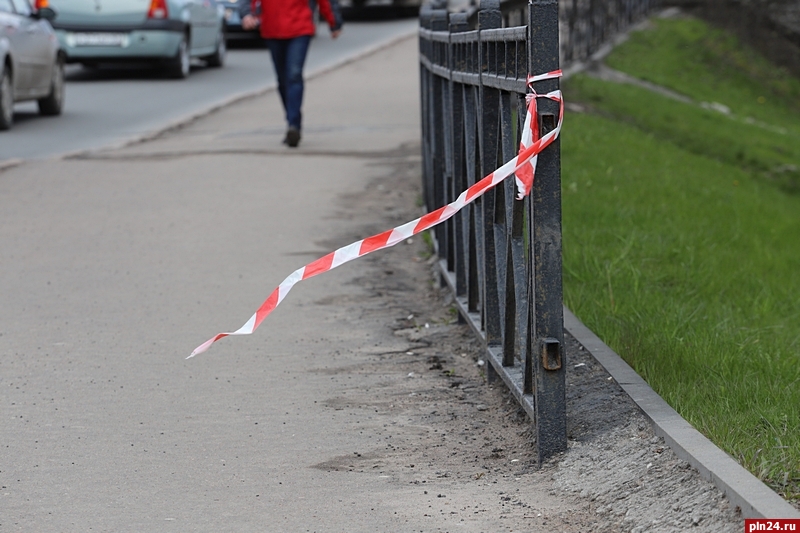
pixel 286 19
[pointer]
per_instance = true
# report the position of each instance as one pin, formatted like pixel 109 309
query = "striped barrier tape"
pixel 523 166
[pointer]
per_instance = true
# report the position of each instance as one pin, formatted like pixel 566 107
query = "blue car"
pixel 167 33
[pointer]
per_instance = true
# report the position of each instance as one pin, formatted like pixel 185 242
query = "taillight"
pixel 41 3
pixel 158 9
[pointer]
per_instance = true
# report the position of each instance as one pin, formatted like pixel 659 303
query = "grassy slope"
pixel 682 235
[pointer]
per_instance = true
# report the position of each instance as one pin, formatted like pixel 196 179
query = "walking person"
pixel 287 27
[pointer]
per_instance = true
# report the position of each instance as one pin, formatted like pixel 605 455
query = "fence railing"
pixel 500 256
pixel 584 25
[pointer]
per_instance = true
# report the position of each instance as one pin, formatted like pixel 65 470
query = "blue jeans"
pixel 288 57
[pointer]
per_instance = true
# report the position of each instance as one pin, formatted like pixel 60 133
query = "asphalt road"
pixel 110 105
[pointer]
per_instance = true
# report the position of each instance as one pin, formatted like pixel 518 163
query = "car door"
pixel 6 25
pixel 202 24
pixel 37 46
pixel 17 43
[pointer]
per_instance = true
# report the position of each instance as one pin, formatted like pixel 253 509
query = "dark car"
pixel 31 60
pixel 233 10
pixel 358 4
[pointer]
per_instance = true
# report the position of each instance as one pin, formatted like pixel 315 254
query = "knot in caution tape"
pixel 523 166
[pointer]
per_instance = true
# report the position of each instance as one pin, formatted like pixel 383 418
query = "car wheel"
pixel 217 59
pixel 53 103
pixel 6 100
pixel 180 65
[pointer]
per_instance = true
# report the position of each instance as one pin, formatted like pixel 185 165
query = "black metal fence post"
pixel 547 320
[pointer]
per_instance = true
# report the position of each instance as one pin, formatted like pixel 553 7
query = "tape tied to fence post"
pixel 523 166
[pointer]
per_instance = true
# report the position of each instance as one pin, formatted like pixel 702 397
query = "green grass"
pixel 682 235
pixel 709 65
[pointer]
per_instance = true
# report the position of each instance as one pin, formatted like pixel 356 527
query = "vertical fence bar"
pixel 472 217
pixel 439 122
pixel 459 263
pixel 424 85
pixel 489 17
pixel 547 323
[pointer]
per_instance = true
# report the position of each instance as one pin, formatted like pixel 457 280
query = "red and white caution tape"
pixel 523 166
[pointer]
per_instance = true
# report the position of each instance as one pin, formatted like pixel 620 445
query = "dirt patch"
pixel 465 446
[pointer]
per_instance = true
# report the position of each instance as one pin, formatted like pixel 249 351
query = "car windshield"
pixel 22 7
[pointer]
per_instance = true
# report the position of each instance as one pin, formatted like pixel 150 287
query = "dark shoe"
pixel 292 137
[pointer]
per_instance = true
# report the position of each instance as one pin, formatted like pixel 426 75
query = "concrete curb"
pixel 5 164
pixel 239 97
pixel 742 488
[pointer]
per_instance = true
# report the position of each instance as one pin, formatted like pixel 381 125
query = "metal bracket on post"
pixel 547 122
pixel 551 354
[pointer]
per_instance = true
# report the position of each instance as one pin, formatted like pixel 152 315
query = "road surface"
pixel 108 106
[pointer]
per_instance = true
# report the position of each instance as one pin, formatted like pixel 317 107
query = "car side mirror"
pixel 46 13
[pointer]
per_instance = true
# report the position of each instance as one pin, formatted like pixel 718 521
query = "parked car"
pixel 403 4
pixel 233 10
pixel 167 33
pixel 31 62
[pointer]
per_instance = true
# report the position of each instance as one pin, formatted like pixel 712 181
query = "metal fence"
pixel 584 25
pixel 501 257
pixel 507 284
pixel 588 24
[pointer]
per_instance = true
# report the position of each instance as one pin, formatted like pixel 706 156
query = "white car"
pixel 31 60
pixel 168 33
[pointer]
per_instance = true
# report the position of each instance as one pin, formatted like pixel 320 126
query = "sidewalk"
pixel 358 406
